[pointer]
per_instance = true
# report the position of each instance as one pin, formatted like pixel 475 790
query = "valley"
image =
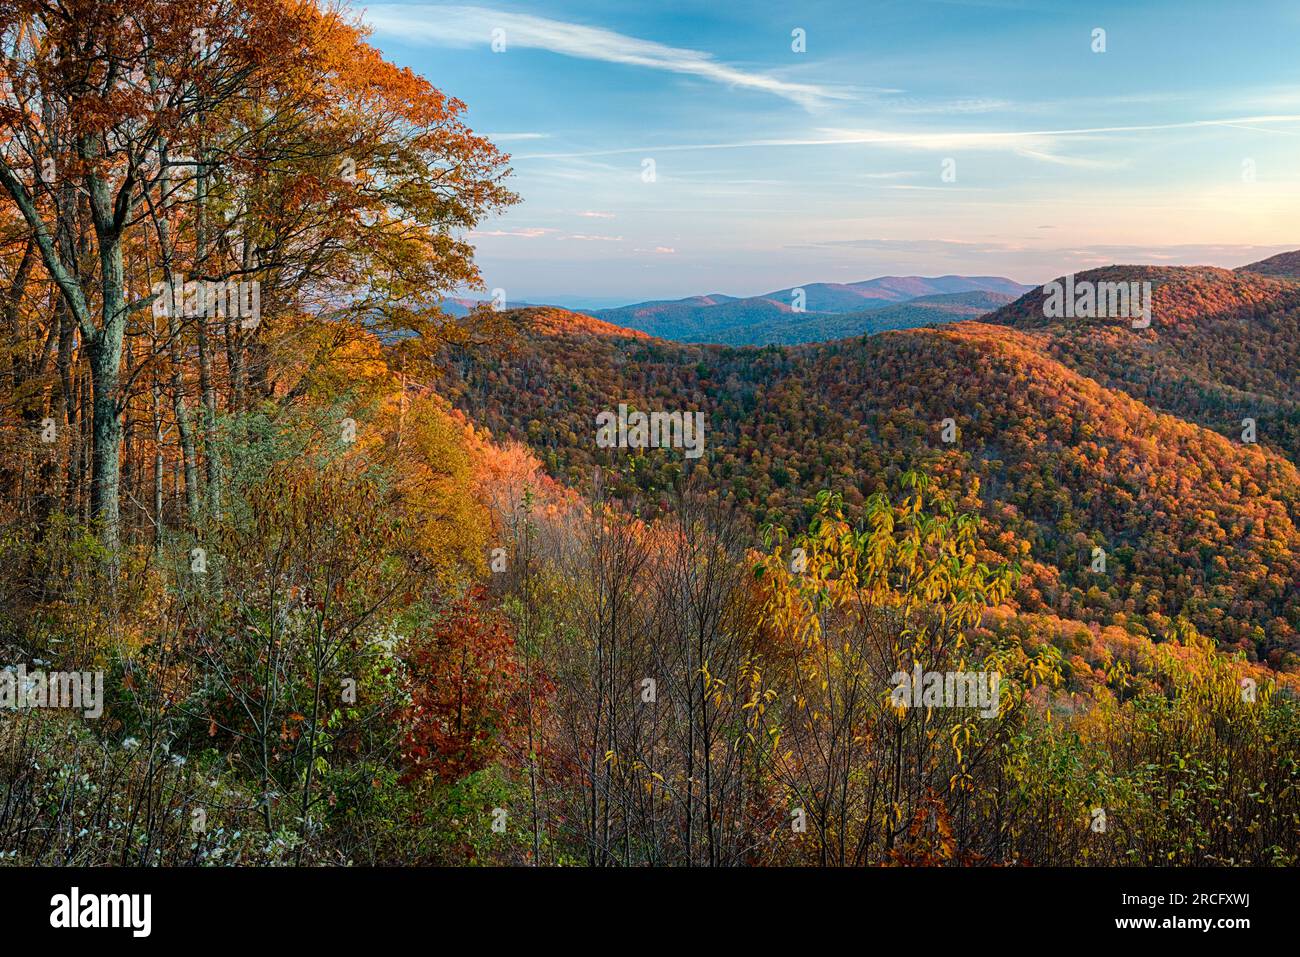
pixel 1071 437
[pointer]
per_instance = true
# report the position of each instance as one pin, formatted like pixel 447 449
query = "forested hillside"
pixel 1223 346
pixel 1056 464
pixel 299 569
pixel 768 322
pixel 1285 265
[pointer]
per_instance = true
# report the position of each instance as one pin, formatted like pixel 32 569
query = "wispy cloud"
pixel 939 189
pixel 514 137
pixel 997 254
pixel 468 25
pixel 1036 144
pixel 1026 139
pixel 527 232
pixel 975 105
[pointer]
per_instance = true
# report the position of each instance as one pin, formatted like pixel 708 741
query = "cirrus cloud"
pixel 454 25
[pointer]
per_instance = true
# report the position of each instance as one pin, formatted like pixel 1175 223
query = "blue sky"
pixel 1178 144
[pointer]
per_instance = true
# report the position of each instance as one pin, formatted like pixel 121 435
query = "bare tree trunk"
pixel 180 410
pixel 206 386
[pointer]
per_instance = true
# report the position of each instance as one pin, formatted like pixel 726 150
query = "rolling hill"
pixel 929 310
pixel 1285 265
pixel 1054 460
pixel 1223 346
pixel 773 318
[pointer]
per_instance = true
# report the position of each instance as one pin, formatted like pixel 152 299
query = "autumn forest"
pixel 360 582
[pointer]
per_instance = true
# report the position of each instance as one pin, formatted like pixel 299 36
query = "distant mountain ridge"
pixel 1283 265
pixel 748 323
pixel 815 312
pixel 812 312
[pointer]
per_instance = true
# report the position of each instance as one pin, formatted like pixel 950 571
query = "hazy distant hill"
pixel 912 314
pixel 850 297
pixel 772 317
pixel 1285 265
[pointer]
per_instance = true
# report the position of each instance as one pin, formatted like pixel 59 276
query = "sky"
pixel 668 148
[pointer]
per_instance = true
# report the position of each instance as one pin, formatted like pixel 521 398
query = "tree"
pixel 252 141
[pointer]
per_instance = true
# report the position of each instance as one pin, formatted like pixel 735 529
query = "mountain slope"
pixel 930 310
pixel 1055 463
pixel 1223 346
pixel 772 317
pixel 752 322
pixel 1283 265
pixel 854 296
pixel 701 318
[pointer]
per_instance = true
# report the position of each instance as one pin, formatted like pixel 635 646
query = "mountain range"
pixel 1070 436
pixel 817 311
